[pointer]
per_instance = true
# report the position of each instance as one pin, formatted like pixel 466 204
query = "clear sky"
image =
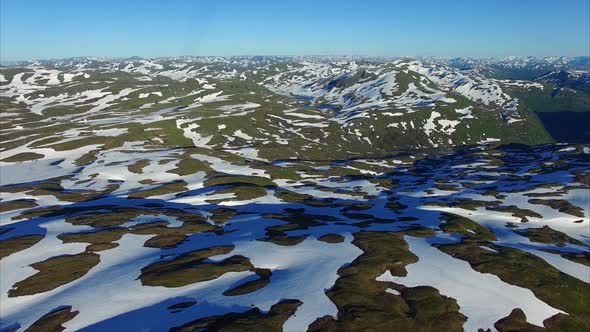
pixel 64 28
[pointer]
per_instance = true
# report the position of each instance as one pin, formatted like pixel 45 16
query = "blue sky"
pixel 63 28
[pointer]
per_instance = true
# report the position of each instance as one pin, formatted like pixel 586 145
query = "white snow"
pixel 483 298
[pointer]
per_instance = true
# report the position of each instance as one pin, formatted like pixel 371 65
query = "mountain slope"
pixel 256 106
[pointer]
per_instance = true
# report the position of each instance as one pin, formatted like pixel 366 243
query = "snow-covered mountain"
pixel 291 193
pixel 520 67
pixel 387 104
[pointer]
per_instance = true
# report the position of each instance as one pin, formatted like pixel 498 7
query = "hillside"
pixel 257 105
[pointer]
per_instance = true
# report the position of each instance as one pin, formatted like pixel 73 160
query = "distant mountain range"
pixel 330 107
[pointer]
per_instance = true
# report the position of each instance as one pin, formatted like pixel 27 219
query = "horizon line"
pixel 293 56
